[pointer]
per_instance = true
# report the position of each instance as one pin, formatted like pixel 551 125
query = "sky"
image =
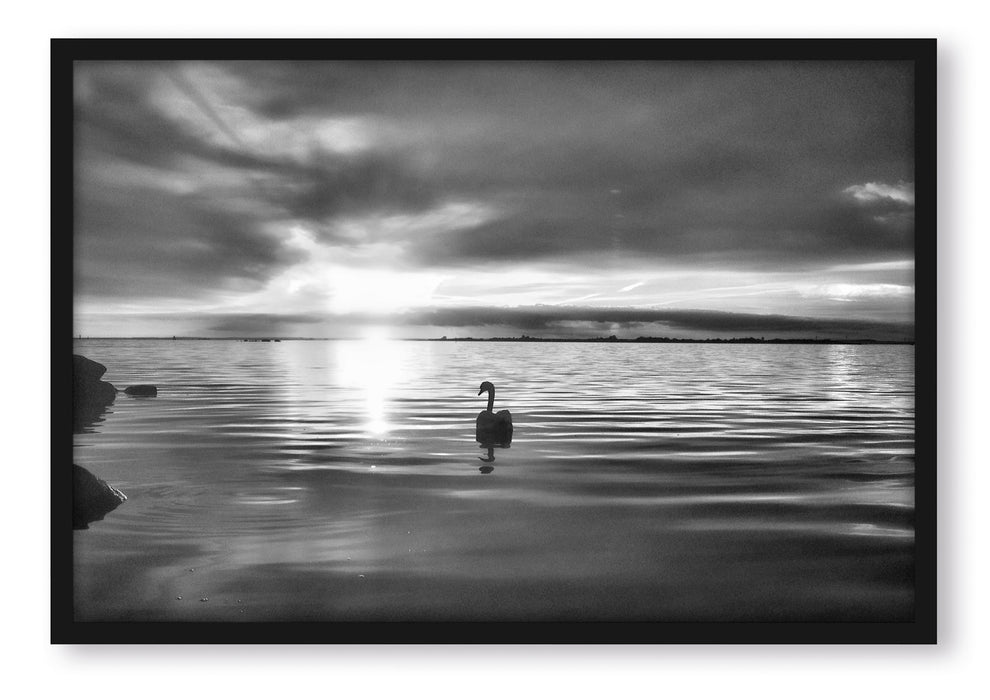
pixel 423 199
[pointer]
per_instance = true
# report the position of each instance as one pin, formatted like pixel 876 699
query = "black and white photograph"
pixel 574 336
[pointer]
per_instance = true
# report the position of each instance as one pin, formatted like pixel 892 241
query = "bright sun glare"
pixel 373 366
pixel 379 291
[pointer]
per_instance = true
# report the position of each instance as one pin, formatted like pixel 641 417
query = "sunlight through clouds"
pixel 379 291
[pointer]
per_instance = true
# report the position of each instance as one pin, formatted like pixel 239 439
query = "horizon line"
pixel 526 339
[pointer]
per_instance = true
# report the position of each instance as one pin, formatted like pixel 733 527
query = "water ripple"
pixel 780 468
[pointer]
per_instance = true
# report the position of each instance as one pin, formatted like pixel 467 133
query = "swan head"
pixel 486 386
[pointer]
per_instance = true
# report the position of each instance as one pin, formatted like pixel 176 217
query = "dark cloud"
pixel 252 324
pixel 118 120
pixel 550 318
pixel 353 185
pixel 690 227
pixel 116 117
pixel 136 242
pixel 547 321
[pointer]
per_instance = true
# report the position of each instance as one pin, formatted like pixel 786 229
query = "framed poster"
pixel 493 341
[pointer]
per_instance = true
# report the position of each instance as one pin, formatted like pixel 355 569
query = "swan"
pixel 493 428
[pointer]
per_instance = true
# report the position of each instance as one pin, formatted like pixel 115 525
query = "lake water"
pixel 341 480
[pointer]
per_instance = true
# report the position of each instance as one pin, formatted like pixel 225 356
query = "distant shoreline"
pixel 529 339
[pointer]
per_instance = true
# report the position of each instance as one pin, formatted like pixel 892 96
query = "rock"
pixel 92 498
pixel 90 395
pixel 141 390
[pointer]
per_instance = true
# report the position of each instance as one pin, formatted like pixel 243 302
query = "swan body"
pixel 492 428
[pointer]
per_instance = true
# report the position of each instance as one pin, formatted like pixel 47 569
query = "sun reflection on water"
pixel 373 366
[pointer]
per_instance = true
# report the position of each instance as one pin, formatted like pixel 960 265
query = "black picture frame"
pixel 923 52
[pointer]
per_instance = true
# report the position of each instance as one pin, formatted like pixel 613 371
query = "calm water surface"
pixel 340 480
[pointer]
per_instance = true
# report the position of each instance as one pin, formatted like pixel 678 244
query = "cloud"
pixel 902 192
pixel 891 207
pixel 906 265
pixel 848 292
pixel 661 159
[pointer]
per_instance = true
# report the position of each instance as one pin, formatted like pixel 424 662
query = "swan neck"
pixel 491 399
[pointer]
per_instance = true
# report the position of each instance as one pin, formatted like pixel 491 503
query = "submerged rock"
pixel 141 390
pixel 90 395
pixel 92 498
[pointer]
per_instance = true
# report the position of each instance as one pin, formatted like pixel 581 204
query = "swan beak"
pixel 479 391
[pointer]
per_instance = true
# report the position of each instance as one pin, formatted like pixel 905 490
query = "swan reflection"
pixel 488 468
pixel 491 454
